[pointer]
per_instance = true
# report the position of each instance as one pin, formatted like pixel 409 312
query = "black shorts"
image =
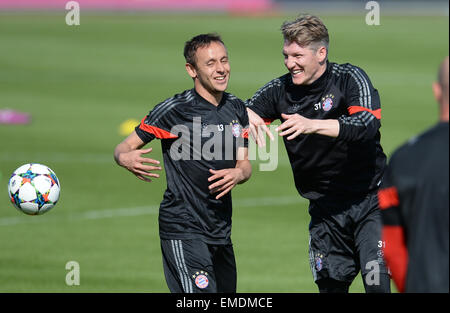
pixel 345 238
pixel 193 266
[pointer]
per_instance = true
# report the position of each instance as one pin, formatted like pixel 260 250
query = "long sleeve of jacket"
pixel 363 105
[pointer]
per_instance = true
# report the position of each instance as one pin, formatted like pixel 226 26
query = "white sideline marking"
pixel 143 210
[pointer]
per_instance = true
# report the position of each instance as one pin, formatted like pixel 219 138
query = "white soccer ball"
pixel 34 189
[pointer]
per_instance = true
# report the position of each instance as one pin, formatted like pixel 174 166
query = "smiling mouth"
pixel 220 78
pixel 297 72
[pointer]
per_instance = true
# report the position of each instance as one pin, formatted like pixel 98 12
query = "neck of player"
pixel 214 97
pixel 319 73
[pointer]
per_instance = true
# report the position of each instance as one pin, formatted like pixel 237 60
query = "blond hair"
pixel 306 30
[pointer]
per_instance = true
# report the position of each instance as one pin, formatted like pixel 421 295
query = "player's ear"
pixel 322 53
pixel 437 91
pixel 191 70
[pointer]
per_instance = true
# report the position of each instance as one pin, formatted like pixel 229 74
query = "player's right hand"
pixel 258 128
pixel 136 164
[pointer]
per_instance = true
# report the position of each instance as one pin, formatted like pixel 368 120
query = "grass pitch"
pixel 81 82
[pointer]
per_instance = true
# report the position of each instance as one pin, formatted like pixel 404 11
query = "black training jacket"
pixel 348 166
pixel 195 136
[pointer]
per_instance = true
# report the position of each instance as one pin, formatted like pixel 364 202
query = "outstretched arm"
pixel 258 128
pixel 296 124
pixel 128 154
pixel 362 121
pixel 226 179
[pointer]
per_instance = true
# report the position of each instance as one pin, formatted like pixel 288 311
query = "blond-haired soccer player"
pixel 330 116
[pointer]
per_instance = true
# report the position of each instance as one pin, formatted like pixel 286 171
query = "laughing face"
pixel 305 64
pixel 212 70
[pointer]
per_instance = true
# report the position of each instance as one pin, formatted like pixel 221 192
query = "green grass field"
pixel 79 83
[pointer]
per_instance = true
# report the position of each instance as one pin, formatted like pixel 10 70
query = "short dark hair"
pixel 199 41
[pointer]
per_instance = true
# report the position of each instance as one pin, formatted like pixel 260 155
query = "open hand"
pixel 226 180
pixel 136 164
pixel 258 128
pixel 294 125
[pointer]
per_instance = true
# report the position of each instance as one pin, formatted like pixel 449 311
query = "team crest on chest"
pixel 327 102
pixel 235 128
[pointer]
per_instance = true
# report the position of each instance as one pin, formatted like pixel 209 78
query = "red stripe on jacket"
pixel 355 109
pixel 245 133
pixel 158 132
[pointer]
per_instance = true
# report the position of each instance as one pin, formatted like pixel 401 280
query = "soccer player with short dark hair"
pixel 330 117
pixel 414 204
pixel 205 155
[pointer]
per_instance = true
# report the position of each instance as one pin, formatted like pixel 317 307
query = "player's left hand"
pixel 294 125
pixel 226 180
